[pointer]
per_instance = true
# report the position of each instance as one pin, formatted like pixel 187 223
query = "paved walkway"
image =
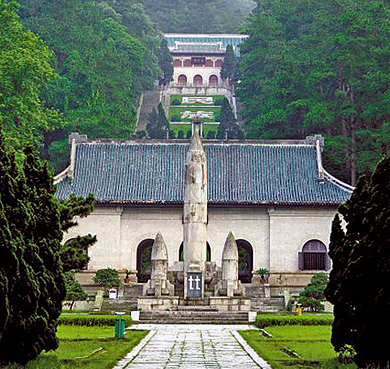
pixel 185 346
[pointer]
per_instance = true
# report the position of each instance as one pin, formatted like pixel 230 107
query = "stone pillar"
pixel 158 285
pixel 229 285
pixel 195 218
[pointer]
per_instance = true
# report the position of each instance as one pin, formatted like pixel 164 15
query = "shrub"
pixel 107 278
pixel 265 320
pixel 176 102
pixel 175 118
pixel 95 320
pixel 180 134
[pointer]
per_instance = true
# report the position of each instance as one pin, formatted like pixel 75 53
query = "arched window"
pixel 245 261
pixel 182 79
pixel 213 79
pixel 144 262
pixel 208 252
pixel 218 63
pixel 187 63
pixel 177 63
pixel 314 256
pixel 198 80
pixel 209 63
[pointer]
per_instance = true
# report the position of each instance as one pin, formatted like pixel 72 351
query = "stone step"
pixel 193 317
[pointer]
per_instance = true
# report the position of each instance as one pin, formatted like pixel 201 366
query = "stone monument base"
pixel 224 303
pixel 147 303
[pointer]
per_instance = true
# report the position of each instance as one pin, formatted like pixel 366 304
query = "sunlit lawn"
pixel 88 348
pixel 310 343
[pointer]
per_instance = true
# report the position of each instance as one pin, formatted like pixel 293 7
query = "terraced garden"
pixel 184 108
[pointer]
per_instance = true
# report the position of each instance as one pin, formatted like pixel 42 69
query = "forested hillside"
pixel 105 53
pixel 320 67
pixel 199 16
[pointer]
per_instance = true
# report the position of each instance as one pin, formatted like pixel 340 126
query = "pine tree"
pixel 228 127
pixel 230 65
pixel 358 285
pixel 165 62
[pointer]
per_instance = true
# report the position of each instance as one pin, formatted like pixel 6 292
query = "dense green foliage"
pixel 265 320
pixel 31 282
pixel 358 286
pixel 24 67
pixel 105 53
pixel 228 127
pixel 320 67
pixel 198 16
pixel 312 295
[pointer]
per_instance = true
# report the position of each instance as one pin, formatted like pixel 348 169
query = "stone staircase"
pixel 193 316
pixel 151 99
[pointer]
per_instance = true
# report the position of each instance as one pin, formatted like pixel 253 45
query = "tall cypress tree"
pixel 31 232
pixel 358 285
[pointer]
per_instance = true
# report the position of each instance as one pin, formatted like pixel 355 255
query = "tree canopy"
pixel 320 67
pixel 25 64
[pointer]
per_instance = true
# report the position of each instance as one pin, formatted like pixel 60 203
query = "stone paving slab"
pixel 185 346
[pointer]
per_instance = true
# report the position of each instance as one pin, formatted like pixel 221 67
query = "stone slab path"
pixel 186 346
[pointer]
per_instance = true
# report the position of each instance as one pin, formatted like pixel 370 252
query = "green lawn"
pixel 88 348
pixel 310 343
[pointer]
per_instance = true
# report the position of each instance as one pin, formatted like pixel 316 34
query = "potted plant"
pixel 263 273
pixel 127 275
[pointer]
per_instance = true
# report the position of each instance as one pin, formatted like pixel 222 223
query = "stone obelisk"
pixel 195 218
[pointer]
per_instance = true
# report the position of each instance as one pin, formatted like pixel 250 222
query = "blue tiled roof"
pixel 238 173
pixel 234 40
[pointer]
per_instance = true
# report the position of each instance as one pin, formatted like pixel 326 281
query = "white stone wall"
pixel 276 234
pixel 191 72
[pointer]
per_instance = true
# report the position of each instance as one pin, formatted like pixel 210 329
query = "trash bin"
pixel 120 326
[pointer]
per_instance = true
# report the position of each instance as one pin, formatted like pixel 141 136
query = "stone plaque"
pixel 194 284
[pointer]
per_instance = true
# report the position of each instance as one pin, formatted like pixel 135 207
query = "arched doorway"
pixel 213 79
pixel 245 261
pixel 208 252
pixel 198 80
pixel 182 79
pixel 144 263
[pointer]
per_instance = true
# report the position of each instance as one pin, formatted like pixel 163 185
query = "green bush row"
pixel 265 320
pixel 92 320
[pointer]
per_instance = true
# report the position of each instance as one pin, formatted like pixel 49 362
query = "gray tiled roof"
pixel 238 173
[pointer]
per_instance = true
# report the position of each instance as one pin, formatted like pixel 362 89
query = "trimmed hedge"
pixel 92 320
pixel 265 320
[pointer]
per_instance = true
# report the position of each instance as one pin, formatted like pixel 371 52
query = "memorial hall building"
pixel 275 197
